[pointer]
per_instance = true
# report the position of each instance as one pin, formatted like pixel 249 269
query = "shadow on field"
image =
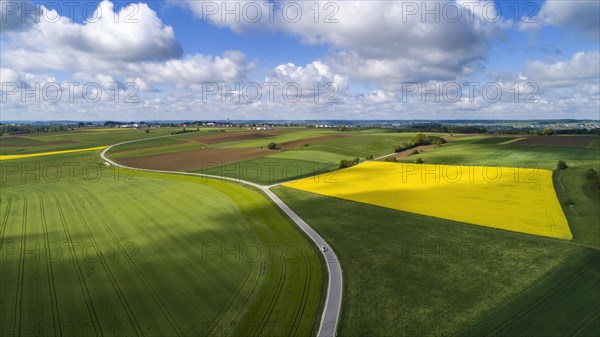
pixel 407 275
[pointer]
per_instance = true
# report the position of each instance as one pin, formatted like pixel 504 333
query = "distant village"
pixel 541 127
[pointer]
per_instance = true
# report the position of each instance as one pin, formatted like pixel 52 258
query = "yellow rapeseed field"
pixel 21 156
pixel 515 199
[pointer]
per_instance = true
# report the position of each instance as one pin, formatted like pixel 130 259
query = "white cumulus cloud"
pixel 581 16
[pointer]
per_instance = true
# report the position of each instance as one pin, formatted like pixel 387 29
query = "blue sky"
pixel 366 65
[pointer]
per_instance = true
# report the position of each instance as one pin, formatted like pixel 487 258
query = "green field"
pixel 77 139
pixel 479 150
pixel 412 275
pixel 563 304
pixel 289 134
pixel 149 255
pixel 362 143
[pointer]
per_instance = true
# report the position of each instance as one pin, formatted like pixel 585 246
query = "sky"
pixel 297 60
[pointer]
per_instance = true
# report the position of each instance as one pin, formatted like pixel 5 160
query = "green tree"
pixel 419 161
pixel 561 165
pixel 547 132
pixel 420 139
pixel 272 146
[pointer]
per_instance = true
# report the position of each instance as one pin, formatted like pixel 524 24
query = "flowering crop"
pixel 515 199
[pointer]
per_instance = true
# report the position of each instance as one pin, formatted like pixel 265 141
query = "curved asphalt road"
pixel 333 302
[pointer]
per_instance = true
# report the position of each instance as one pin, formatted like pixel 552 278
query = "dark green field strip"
pixel 565 303
pixel 267 171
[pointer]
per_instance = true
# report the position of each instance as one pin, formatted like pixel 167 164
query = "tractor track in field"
pixel 111 277
pixel 80 276
pixel 584 323
pixel 21 275
pixel 274 299
pixel 168 315
pixel 250 282
pixel 183 257
pixel 278 290
pixel 276 294
pixel 50 272
pixel 180 287
pixel 305 292
pixel 333 301
pixel 528 309
pixel 5 220
pixel 203 276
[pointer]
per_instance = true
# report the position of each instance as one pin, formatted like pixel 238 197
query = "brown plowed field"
pixel 557 141
pixel 222 137
pixel 194 159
